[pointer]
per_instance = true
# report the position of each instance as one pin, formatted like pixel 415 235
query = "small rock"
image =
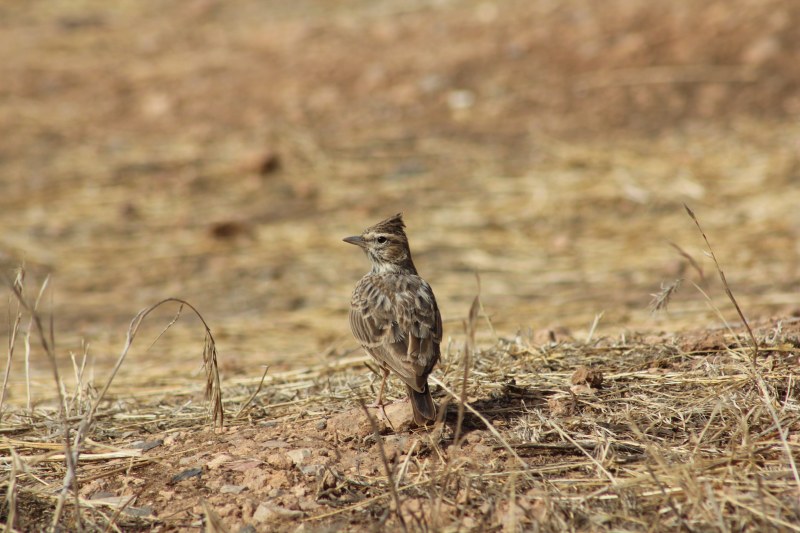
pixel 482 449
pixel 474 437
pixel 255 478
pixel 272 444
pixel 561 405
pixel 460 99
pixel 298 456
pixel 431 83
pixel 762 50
pixel 147 445
pixel 356 424
pixel 311 470
pixel 264 513
pixel 327 479
pixel 267 513
pixel 244 466
pixel 582 390
pixel 248 528
pixel 186 474
pixel 140 512
pixel 194 459
pixel 229 229
pixel 231 489
pixel 268 163
pixel 396 445
pixel 279 460
pixel 218 461
pixel 309 505
pixel 322 424
pixel 587 376
pixel 552 335
pixel 113 501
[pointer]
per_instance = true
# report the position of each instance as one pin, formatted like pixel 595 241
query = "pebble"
pixel 231 489
pixel 298 456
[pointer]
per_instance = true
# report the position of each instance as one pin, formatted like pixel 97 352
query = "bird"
pixel 394 315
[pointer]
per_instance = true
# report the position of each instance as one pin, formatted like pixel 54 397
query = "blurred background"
pixel 219 152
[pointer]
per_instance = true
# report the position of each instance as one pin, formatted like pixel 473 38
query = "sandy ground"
pixel 219 152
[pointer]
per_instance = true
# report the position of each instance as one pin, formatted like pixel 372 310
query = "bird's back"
pixel 396 319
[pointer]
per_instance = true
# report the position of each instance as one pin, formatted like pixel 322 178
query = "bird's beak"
pixel 358 240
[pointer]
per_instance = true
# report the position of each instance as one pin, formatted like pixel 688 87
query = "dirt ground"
pixel 218 152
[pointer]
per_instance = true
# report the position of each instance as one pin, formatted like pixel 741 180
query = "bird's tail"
pixel 422 405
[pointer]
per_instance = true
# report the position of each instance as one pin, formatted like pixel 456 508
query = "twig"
pixel 404 466
pixel 485 314
pixel 252 396
pixel 725 284
pixel 564 435
pixel 669 499
pixel 13 329
pixel 690 259
pixel 775 420
pixel 596 321
pixel 368 501
pixel 213 523
pixel 511 524
pixel 469 346
pixel 168 326
pixel 47 341
pixel 11 490
pixel 28 333
pixel 119 509
pixel 121 454
pixel 775 520
pixel 27 344
pixel 388 469
pixel 213 391
pixel 209 359
pixel 482 418
pixel 705 428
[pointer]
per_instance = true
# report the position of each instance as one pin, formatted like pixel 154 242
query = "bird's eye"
pixel 381 239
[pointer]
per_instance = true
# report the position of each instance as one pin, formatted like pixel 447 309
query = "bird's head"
pixel 386 246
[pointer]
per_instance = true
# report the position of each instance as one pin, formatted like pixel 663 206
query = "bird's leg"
pixel 379 400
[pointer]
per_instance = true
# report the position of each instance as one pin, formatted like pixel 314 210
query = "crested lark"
pixel 394 315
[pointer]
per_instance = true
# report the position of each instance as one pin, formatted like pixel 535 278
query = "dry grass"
pixel 219 151
pixel 540 185
pixel 685 433
pixel 77 414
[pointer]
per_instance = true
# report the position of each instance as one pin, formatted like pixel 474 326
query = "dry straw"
pixel 689 432
pixel 75 430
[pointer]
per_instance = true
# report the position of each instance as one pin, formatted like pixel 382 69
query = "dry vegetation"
pixel 665 431
pixel 218 152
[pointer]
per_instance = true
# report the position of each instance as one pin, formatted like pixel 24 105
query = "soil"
pixel 542 153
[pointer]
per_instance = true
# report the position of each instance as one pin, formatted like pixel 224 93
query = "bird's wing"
pixel 399 325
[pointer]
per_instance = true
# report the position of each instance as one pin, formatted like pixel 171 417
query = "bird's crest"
pixel 393 225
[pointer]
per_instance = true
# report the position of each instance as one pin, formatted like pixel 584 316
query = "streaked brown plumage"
pixel 393 314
